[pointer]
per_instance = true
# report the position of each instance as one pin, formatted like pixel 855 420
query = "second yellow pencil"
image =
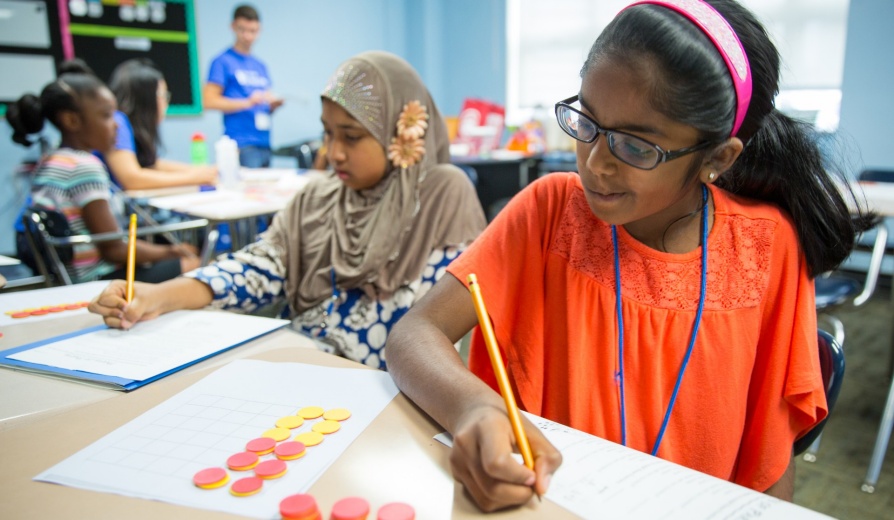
pixel 131 256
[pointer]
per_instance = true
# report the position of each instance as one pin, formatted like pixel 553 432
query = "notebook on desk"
pixel 151 350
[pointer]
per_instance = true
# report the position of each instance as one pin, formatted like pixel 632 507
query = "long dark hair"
pixel 781 162
pixel 26 116
pixel 135 84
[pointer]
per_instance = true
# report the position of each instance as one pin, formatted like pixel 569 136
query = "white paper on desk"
pixel 191 200
pixel 16 301
pixel 266 174
pixel 151 347
pixel 156 455
pixel 602 480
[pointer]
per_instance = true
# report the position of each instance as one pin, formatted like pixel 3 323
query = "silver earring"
pixel 711 176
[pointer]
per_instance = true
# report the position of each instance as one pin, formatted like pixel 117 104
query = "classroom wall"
pixel 867 106
pixel 459 48
pixel 302 41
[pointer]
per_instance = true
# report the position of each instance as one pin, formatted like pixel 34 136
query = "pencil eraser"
pixel 351 508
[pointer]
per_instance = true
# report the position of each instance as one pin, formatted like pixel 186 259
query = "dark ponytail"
pixel 781 162
pixel 26 116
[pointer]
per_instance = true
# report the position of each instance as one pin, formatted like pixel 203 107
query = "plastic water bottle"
pixel 198 149
pixel 227 153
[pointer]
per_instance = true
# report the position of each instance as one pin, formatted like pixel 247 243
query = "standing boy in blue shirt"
pixel 239 86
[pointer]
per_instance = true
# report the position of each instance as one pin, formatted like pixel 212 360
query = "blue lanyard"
pixel 330 306
pixel 698 320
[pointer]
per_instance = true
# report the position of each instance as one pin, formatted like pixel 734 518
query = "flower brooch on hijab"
pixel 408 147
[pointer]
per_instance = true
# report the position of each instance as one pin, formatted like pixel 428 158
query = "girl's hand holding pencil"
pixel 482 459
pixel 119 313
pixel 482 449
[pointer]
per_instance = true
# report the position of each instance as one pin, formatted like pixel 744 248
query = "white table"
pixel 262 192
pixel 879 196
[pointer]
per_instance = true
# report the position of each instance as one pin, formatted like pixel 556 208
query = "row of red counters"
pixel 304 507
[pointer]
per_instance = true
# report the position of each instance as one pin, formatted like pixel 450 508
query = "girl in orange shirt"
pixel 661 298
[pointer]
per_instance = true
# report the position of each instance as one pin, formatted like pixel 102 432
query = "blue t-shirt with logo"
pixel 239 75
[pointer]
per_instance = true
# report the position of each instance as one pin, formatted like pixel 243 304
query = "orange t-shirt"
pixel 753 384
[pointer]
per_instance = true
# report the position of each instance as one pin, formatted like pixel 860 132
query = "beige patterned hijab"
pixel 380 238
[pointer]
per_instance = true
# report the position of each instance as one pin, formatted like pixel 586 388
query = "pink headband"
pixel 724 38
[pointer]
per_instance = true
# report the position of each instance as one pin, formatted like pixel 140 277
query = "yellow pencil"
pixel 131 255
pixel 496 361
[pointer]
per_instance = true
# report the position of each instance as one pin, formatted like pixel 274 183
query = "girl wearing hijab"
pixel 356 248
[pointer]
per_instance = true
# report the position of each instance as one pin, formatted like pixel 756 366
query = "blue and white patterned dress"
pixel 356 325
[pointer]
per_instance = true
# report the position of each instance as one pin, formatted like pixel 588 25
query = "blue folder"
pixel 113 382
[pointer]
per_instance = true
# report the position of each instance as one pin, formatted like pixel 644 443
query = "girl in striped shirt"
pixel 72 181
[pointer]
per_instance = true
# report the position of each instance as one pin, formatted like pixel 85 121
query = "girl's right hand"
pixel 482 459
pixel 112 304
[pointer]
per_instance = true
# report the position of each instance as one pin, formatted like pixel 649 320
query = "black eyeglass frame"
pixel 663 155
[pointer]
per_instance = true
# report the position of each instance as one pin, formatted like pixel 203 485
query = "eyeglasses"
pixel 166 95
pixel 629 149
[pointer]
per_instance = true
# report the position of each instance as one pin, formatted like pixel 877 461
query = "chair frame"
pixel 43 242
pixel 887 421
pixel 869 284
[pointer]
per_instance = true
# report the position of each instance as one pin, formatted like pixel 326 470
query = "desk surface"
pixel 394 459
pixel 28 397
pixel 879 196
pixel 263 195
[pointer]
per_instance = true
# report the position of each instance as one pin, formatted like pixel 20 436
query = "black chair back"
pixel 56 225
pixel 877 175
pixel 831 358
pixel 50 261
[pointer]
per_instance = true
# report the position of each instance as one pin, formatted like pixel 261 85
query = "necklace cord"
pixel 695 327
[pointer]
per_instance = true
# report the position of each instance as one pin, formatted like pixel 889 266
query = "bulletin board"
pixel 30 47
pixel 103 33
